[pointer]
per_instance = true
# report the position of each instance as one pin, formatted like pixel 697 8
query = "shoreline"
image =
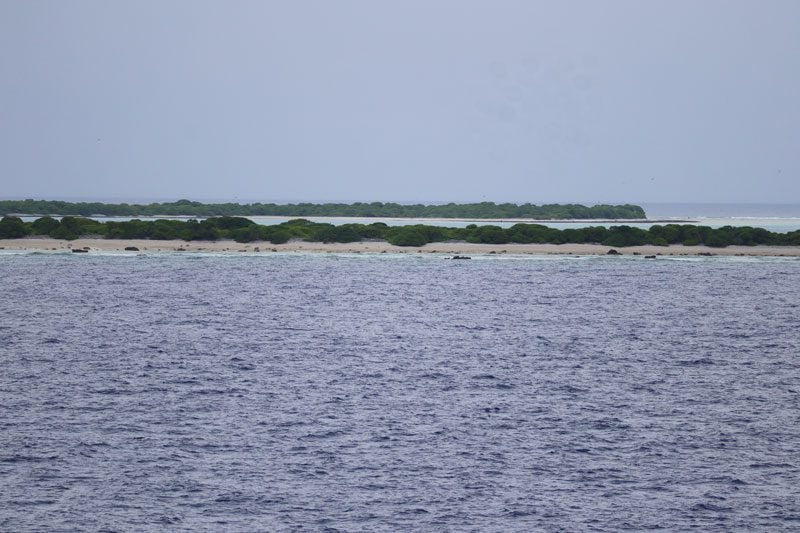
pixel 376 247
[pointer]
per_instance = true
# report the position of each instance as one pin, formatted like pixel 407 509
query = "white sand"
pixel 454 248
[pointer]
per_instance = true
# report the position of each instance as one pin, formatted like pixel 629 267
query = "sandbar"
pixel 373 247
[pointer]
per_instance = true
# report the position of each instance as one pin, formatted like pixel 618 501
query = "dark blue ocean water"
pixel 375 393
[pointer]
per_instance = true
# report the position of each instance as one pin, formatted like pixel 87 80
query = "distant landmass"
pixel 482 210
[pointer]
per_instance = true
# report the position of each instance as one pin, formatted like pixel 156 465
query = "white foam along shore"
pixel 455 248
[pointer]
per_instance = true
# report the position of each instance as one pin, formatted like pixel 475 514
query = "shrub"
pixel 407 236
pixel 12 228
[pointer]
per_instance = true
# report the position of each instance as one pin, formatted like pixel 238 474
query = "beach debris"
pixel 613 252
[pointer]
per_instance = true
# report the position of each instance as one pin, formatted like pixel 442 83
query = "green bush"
pixel 279 236
pixel 12 228
pixel 44 225
pixel 406 236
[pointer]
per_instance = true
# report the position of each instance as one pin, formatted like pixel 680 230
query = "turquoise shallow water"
pixel 291 392
pixel 777 218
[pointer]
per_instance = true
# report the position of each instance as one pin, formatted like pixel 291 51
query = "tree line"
pixel 245 230
pixel 359 209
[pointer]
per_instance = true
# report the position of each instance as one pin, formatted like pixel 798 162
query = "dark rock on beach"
pixel 613 252
pixel 460 257
pixel 79 251
pixel 131 249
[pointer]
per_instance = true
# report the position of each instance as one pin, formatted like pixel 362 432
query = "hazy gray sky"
pixel 433 100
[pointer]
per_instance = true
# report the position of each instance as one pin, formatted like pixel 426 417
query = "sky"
pixel 413 101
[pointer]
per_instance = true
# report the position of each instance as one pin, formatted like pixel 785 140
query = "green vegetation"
pixel 245 230
pixel 359 209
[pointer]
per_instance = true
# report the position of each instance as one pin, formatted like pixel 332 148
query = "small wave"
pixel 214 391
pixel 190 381
pixel 415 511
pixel 517 513
pixel 32 503
pixel 324 435
pixel 610 424
pixel 18 458
pixel 696 362
pixel 433 375
pixel 711 507
pixel 234 497
pixel 169 520
pixel 771 465
pixel 109 391
pixel 571 389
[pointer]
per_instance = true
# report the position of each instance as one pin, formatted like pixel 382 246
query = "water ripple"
pixel 299 392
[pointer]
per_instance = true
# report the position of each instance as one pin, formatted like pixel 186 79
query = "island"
pixel 188 208
pixel 240 230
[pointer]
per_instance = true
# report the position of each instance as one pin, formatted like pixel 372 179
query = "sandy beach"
pixel 454 248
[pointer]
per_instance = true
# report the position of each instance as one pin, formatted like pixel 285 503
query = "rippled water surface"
pixel 375 393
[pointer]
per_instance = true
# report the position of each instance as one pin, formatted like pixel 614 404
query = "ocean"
pixel 325 392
